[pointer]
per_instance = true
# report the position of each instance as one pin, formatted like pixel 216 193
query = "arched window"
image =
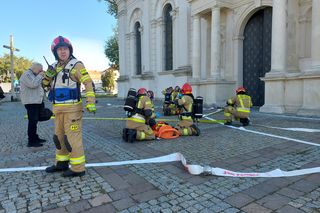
pixel 138 47
pixel 168 37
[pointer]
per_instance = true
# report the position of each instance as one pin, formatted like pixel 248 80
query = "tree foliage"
pixel 111 50
pixel 109 79
pixel 20 65
pixel 112 7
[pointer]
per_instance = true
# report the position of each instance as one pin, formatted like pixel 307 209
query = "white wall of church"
pixel 204 29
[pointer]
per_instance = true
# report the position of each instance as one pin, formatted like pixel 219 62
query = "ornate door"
pixel 257 53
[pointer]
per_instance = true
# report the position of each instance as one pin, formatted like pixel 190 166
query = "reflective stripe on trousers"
pixel 79 160
pixel 185 131
pixel 62 157
pixel 240 109
pixel 141 135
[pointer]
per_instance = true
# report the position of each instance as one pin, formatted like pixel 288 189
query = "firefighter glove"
pixel 91 108
pixel 51 72
pixel 45 83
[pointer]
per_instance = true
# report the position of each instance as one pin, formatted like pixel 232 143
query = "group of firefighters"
pixel 141 124
pixel 63 78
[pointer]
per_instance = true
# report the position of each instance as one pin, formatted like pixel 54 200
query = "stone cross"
pixel 12 49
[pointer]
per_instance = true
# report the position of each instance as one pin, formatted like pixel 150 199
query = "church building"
pixel 271 47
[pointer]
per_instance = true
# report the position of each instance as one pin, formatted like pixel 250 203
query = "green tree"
pixel 112 50
pixel 112 7
pixel 20 65
pixel 109 79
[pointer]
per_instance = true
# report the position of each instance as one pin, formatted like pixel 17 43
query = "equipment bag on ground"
pixel 165 131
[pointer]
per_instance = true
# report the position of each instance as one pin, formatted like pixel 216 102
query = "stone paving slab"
pixel 161 187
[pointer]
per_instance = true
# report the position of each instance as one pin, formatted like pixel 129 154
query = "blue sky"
pixel 35 23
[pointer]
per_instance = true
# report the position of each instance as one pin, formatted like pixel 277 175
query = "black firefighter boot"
pixel 61 166
pixel 70 173
pixel 132 134
pixel 228 123
pixel 125 134
pixel 195 130
pixel 245 121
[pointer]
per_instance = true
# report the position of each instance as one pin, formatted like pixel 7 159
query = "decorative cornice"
pixel 238 38
pixel 123 78
pixel 181 71
pixel 153 23
pixel 160 21
pixel 144 76
pixel 147 76
pixel 198 82
pixel 130 35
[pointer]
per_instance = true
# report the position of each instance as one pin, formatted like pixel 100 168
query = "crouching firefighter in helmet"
pixel 63 79
pixel 186 126
pixel 138 126
pixel 239 107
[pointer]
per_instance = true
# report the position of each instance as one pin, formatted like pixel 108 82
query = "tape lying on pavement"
pixel 290 129
pixel 192 169
pixel 212 113
pixel 124 119
pixel 266 134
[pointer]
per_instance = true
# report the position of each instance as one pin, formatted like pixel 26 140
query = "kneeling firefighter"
pixel 63 78
pixel 186 125
pixel 139 121
pixel 239 107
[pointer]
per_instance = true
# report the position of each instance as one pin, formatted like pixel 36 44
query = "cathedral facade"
pixel 271 47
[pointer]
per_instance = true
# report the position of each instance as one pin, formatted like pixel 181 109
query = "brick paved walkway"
pixel 161 187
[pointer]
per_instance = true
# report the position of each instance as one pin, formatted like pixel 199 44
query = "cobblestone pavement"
pixel 163 187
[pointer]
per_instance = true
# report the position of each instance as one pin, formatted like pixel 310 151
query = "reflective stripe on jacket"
pixel 143 103
pixel 186 101
pixel 244 103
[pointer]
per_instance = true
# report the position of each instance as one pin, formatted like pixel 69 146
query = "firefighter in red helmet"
pixel 63 79
pixel 138 126
pixel 186 126
pixel 239 107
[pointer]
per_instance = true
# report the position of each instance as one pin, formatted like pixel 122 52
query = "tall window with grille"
pixel 137 32
pixel 168 50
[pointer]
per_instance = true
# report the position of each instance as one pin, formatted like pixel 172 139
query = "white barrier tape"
pixel 266 134
pixel 192 169
pixel 292 117
pixel 211 113
pixel 291 129
pixel 23 169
